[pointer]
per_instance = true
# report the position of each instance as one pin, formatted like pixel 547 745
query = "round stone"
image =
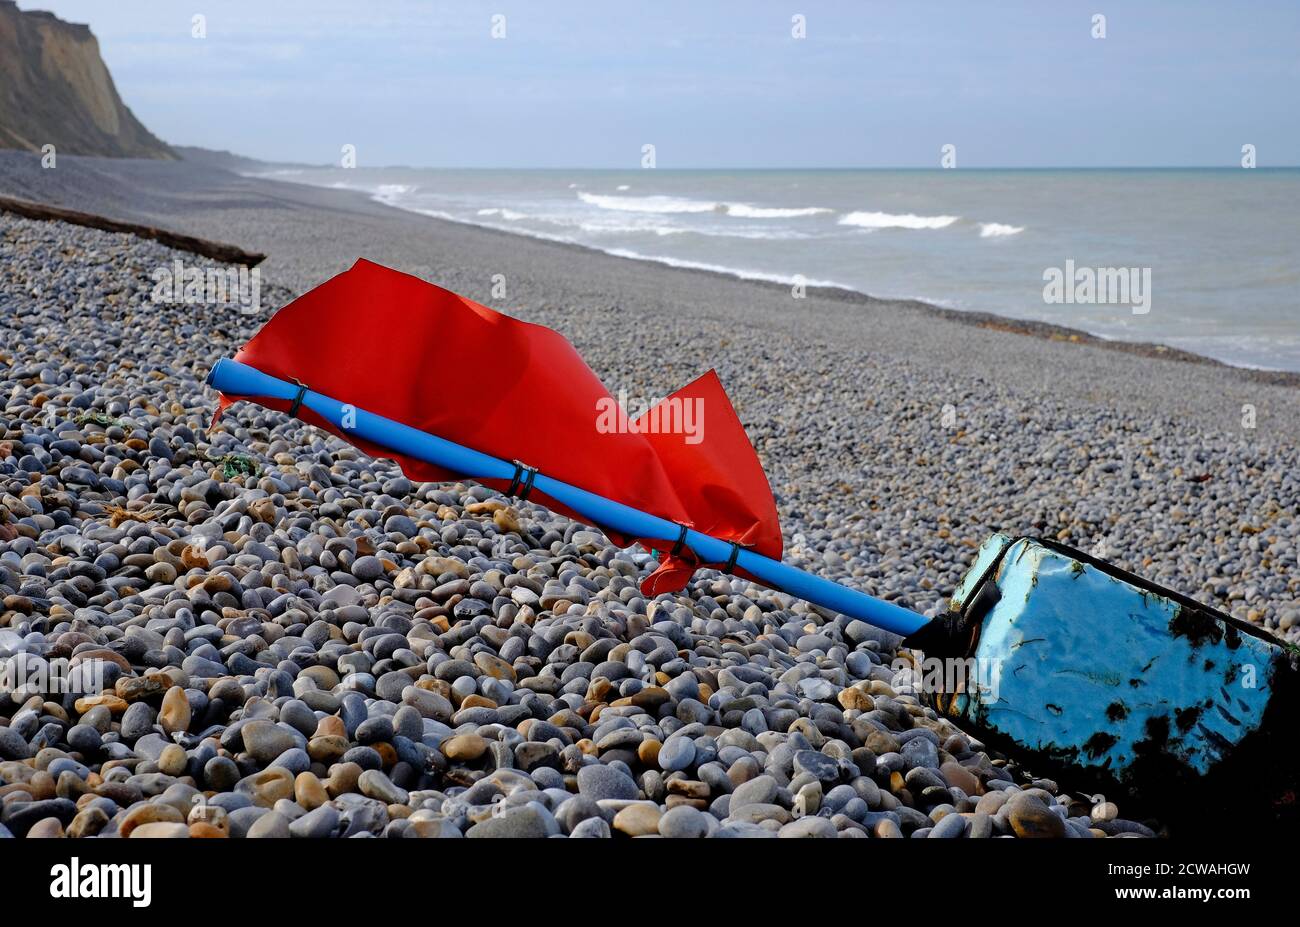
pixel 173 761
pixel 175 713
pixel 683 821
pixel 810 827
pixel 265 740
pixel 1033 819
pixel 760 790
pixel 676 753
pixel 367 569
pixel 638 819
pixel 161 829
pixel 604 782
pixel 464 748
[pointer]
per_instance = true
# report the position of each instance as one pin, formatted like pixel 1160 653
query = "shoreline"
pixel 311 233
pixel 978 318
pixel 846 293
pixel 15 169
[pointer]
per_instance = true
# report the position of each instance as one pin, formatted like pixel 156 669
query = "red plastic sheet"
pixel 399 347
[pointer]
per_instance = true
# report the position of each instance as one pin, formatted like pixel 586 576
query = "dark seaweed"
pixel 1099 743
pixel 1196 626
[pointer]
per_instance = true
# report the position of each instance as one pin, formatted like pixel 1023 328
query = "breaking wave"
pixel 670 204
pixel 997 229
pixel 886 220
pixel 389 191
pixel 742 273
pixel 647 203
pixel 745 211
pixel 509 215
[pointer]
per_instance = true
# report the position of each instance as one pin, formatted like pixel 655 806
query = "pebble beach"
pixel 287 638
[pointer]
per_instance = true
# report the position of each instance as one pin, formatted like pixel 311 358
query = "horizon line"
pixel 578 167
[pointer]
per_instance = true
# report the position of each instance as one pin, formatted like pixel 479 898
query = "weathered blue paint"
pixel 988 552
pixel 1093 670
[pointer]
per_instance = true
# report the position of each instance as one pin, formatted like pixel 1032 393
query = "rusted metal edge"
pixel 227 254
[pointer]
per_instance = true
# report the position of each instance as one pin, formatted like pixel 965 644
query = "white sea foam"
pixel 439 214
pixel 886 220
pixel 745 211
pixel 510 215
pixel 677 204
pixel 647 203
pixel 513 229
pixel 621 228
pixel 997 229
pixel 742 273
pixel 391 194
pixel 761 234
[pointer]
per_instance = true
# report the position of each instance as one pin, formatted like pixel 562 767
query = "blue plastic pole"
pixel 240 380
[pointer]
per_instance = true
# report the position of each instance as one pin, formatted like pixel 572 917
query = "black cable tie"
pixel 297 400
pixel 731 561
pixel 681 541
pixel 514 482
pixel 528 484
pixel 521 485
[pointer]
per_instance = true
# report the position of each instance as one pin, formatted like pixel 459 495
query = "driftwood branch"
pixel 227 254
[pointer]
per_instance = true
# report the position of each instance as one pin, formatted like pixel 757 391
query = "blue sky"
pixel 578 84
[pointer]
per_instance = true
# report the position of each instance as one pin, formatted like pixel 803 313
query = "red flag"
pixel 399 347
pixel 718 479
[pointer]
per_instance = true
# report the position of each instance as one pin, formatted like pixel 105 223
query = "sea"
pixel 1207 260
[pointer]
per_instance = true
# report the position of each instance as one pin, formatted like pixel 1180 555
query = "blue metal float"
pixel 1077 660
